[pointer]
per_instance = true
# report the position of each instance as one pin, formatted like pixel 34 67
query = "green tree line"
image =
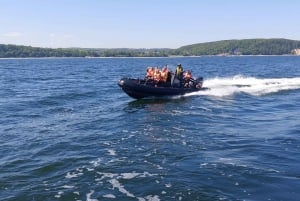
pixel 19 51
pixel 226 47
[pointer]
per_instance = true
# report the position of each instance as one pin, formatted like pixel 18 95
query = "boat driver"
pixel 179 71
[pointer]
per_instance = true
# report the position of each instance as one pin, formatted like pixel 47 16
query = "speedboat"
pixel 144 88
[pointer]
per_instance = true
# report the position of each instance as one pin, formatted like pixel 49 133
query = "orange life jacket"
pixel 164 75
pixel 157 75
pixel 187 75
pixel 149 74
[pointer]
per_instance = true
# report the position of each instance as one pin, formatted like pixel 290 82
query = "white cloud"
pixel 12 34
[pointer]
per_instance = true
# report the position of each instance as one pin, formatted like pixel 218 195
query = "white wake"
pixel 254 86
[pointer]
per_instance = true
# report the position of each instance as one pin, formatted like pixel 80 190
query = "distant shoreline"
pixel 226 48
pixel 285 55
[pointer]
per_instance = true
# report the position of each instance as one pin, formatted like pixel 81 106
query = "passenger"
pixel 179 71
pixel 156 75
pixel 169 76
pixel 164 74
pixel 149 74
pixel 187 76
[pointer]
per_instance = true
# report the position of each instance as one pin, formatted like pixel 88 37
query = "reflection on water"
pixel 155 104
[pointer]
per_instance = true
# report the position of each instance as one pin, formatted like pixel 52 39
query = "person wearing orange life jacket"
pixel 164 74
pixel 156 75
pixel 187 76
pixel 150 72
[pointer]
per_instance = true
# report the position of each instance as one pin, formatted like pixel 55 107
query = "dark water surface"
pixel 68 132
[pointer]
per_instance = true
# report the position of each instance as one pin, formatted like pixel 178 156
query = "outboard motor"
pixel 199 82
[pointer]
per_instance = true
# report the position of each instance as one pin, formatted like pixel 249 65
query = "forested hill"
pixel 226 47
pixel 241 47
pixel 20 51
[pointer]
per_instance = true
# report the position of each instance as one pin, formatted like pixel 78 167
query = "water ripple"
pixel 68 132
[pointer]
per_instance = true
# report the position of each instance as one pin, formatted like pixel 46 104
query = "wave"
pixel 229 86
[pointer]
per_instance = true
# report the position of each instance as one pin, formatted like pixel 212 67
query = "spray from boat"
pixel 228 86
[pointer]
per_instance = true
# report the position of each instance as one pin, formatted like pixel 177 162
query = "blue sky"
pixel 144 23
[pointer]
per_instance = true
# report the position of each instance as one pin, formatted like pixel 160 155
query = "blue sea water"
pixel 68 132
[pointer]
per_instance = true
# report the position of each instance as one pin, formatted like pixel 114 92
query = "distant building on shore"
pixel 296 51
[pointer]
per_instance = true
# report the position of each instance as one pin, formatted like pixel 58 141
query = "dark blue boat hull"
pixel 139 88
